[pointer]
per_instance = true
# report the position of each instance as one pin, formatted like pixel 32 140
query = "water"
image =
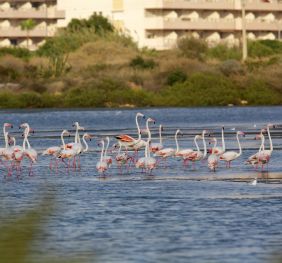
pixel 138 218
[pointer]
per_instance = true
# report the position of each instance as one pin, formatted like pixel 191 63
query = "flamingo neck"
pixel 197 146
pixel 5 136
pixel 148 140
pixel 14 141
pixel 215 143
pixel 107 147
pixel 102 152
pixel 63 141
pixel 270 140
pixel 160 132
pixel 176 141
pixel 205 146
pixel 26 133
pixel 222 138
pixel 261 148
pixel 85 143
pixel 138 129
pixel 239 145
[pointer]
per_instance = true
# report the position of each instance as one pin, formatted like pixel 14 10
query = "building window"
pixel 14 42
pixel 35 5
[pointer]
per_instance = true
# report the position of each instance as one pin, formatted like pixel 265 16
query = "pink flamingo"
pixel 220 150
pixel 128 141
pixel 122 158
pixel 102 166
pixel 230 156
pixel 30 152
pixel 213 158
pixel 198 155
pixel 54 151
pixel 154 147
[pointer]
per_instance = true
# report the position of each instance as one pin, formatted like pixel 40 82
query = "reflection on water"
pixel 136 218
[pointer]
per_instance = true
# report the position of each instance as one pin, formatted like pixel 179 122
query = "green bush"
pixel 231 67
pixel 176 76
pixel 141 63
pixel 98 23
pixel 222 52
pixel 8 74
pixel 257 49
pixel 16 52
pixel 193 48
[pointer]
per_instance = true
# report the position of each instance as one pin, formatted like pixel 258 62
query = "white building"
pixel 159 23
pixel 152 23
pixel 44 13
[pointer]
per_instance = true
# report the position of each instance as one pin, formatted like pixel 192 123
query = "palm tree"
pixel 28 25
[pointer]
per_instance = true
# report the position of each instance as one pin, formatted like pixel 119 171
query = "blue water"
pixel 138 218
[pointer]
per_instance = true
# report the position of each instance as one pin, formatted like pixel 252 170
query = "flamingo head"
pixel 151 120
pixel 88 136
pixel 270 125
pixel 222 127
pixel 241 133
pixel 8 125
pixel 24 125
pixel 66 132
pixel 139 114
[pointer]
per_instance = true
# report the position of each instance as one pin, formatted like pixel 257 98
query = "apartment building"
pixel 152 23
pixel 44 13
pixel 159 23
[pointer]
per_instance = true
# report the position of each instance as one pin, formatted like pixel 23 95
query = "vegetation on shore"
pixel 89 64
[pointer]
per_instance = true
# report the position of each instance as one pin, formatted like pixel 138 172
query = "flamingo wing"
pixel 125 138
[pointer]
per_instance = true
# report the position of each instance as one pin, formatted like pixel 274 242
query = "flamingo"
pixel 76 146
pixel 54 151
pixel 147 161
pixel 84 137
pixel 220 150
pixel 128 141
pixel 5 133
pixel 121 158
pixel 108 159
pixel 265 155
pixel 102 165
pixel 253 159
pixel 169 152
pixel 154 147
pixel 213 158
pixel 230 156
pixel 198 155
pixel 182 152
pixel 30 152
pixel 150 162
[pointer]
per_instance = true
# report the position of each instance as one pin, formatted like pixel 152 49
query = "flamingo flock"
pixel 130 152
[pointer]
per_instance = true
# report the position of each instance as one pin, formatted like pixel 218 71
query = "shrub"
pixel 222 52
pixel 176 76
pixel 258 49
pixel 16 52
pixel 191 47
pixel 98 23
pixel 141 63
pixel 230 67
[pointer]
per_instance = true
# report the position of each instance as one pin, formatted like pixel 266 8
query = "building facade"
pixel 159 23
pixel 44 13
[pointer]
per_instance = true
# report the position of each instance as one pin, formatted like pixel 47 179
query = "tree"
pixel 28 25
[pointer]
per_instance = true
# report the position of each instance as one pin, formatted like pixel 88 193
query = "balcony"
pixel 199 24
pixel 255 5
pixel 16 32
pixel 32 13
pixel 209 25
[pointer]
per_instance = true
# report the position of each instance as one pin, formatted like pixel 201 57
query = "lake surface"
pixel 139 218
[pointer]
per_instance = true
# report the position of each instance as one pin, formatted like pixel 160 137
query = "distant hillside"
pixel 90 65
